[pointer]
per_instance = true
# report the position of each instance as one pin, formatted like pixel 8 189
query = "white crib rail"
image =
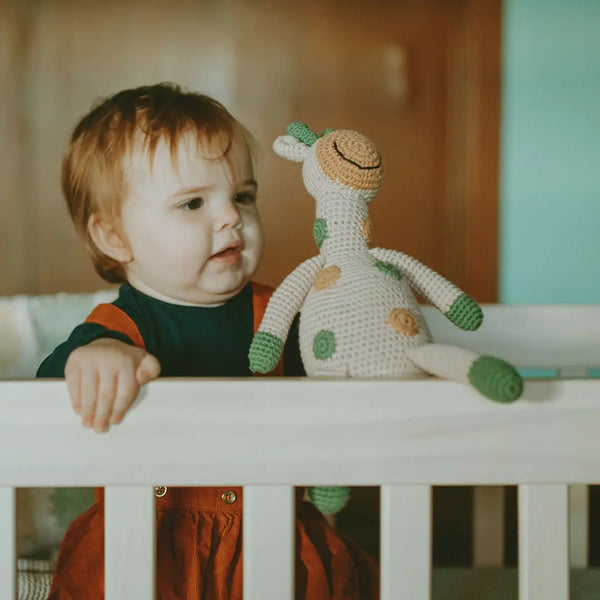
pixel 406 436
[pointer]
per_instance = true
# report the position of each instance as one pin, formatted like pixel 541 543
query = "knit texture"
pixel 359 316
pixel 266 351
pixel 329 500
pixel 465 313
pixel 496 379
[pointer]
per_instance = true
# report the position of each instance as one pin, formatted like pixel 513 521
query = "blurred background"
pixel 486 114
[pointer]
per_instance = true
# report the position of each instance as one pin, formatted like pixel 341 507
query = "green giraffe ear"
pixel 302 133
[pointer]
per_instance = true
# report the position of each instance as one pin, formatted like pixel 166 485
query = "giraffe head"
pixel 339 162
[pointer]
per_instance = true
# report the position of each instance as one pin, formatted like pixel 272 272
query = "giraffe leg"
pixel 493 377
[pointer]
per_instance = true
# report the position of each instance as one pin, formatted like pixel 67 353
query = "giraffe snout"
pixel 352 159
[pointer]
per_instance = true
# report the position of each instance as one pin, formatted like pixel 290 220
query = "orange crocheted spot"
pixel 403 321
pixel 327 278
pixel 112 317
pixel 350 158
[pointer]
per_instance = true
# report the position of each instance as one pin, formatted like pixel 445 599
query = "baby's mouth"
pixel 229 255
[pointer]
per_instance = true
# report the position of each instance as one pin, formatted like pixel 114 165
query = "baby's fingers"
pixel 148 369
pixel 127 391
pixel 107 389
pixel 73 377
pixel 88 394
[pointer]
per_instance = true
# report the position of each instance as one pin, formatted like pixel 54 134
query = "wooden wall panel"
pixel 398 71
pixel 15 217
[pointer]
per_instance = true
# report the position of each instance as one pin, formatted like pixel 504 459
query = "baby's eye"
pixel 245 198
pixel 192 204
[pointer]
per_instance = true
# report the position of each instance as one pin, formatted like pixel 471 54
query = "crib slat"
pixel 8 568
pixel 543 542
pixel 488 526
pixel 578 525
pixel 405 542
pixel 268 542
pixel 129 546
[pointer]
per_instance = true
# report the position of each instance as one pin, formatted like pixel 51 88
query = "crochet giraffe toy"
pixel 358 314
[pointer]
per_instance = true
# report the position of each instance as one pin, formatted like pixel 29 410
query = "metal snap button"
pixel 160 491
pixel 229 497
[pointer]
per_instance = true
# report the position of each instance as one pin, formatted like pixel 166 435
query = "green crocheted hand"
pixel 496 379
pixel 465 313
pixel 329 500
pixel 265 352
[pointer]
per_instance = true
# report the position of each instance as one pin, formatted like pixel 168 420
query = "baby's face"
pixel 191 222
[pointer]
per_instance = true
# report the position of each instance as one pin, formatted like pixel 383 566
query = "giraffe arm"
pixel 268 342
pixel 457 306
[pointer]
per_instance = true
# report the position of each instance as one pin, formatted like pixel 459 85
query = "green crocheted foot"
pixel 265 352
pixel 465 313
pixel 329 500
pixel 496 379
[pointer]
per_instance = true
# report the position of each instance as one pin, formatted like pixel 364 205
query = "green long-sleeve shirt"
pixel 188 341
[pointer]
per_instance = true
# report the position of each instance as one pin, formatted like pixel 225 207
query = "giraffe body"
pixel 357 307
pixel 358 314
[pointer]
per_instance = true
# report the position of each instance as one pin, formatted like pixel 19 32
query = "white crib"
pixel 272 434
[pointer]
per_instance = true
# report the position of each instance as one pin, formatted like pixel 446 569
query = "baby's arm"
pixel 268 343
pixel 104 378
pixel 460 308
pixel 82 361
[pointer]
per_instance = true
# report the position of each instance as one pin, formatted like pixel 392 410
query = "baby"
pixel 160 185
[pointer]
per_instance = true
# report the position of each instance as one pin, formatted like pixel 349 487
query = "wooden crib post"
pixel 268 542
pixel 578 525
pixel 488 526
pixel 406 542
pixel 543 542
pixel 129 543
pixel 8 563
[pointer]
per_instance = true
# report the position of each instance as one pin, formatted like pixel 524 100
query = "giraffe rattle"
pixel 358 314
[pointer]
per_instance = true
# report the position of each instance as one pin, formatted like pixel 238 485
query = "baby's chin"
pixel 218 290
pixel 215 294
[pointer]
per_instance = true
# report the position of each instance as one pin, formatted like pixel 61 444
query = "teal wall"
pixel 550 155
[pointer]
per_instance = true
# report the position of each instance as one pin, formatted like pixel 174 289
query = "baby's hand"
pixel 104 378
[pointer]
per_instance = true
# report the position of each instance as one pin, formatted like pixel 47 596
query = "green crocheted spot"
pixel 389 269
pixel 302 133
pixel 326 131
pixel 320 231
pixel 465 313
pixel 265 352
pixel 496 379
pixel 324 344
pixel 329 500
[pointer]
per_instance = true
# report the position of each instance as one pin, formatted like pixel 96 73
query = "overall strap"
pixel 113 317
pixel 261 294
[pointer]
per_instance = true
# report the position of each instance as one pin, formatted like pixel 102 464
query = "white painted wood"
pixel 129 543
pixel 573 372
pixel 406 542
pixel 327 432
pixel 488 526
pixel 578 526
pixel 543 542
pixel 269 525
pixel 529 336
pixel 8 562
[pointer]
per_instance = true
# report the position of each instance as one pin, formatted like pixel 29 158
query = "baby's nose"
pixel 228 216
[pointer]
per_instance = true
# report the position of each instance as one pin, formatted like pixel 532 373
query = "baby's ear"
pixel 287 146
pixel 107 236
